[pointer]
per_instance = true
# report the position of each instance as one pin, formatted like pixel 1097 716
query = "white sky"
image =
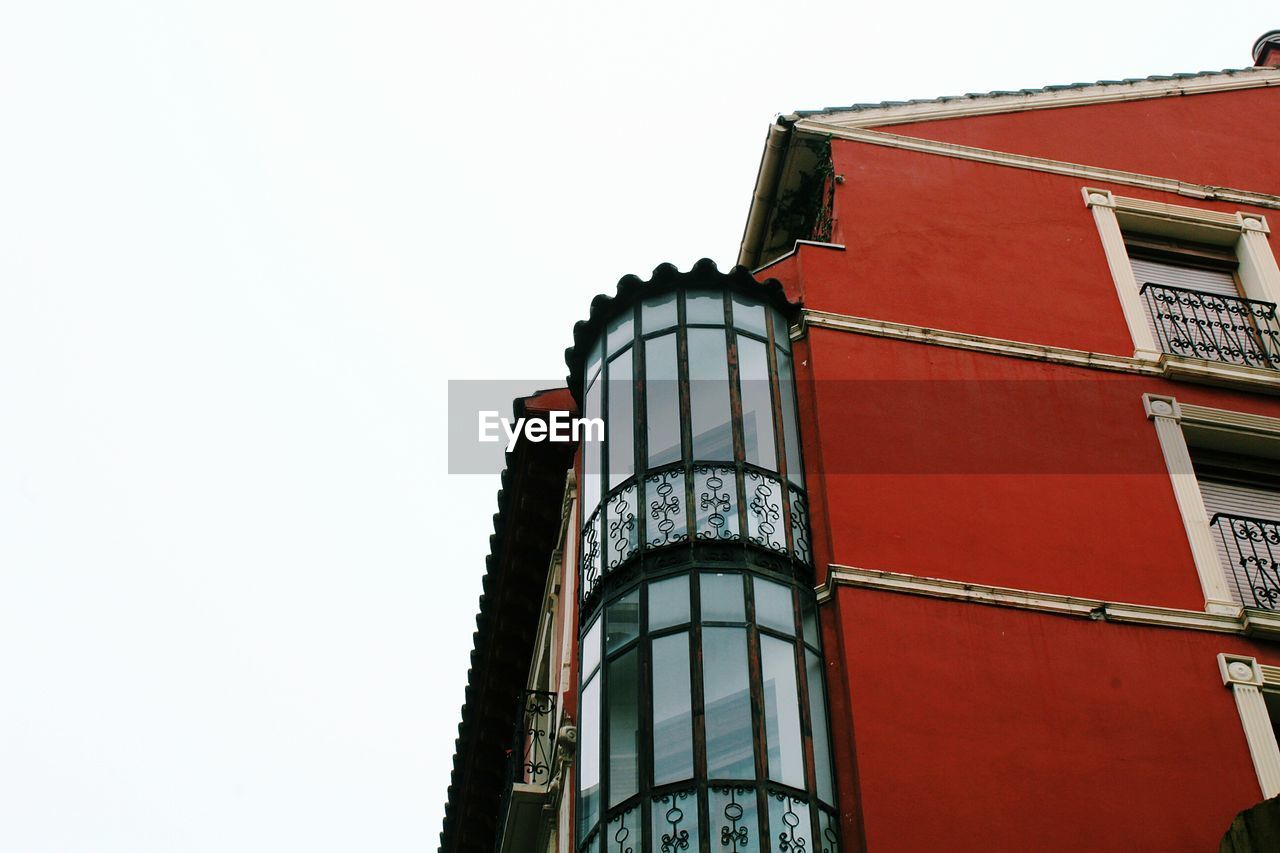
pixel 243 245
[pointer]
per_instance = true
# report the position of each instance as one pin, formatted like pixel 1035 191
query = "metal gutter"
pixel 766 191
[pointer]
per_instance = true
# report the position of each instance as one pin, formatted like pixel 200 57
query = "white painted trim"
pixel 795 249
pixel 1041 164
pixel 1244 676
pixel 1103 205
pixel 1023 599
pixel 1166 415
pixel 1248 78
pixel 1168 366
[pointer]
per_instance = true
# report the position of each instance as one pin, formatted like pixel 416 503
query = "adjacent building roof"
pixel 525 531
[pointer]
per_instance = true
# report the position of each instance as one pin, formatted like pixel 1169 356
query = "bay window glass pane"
pixel 622 621
pixel 727 697
pixel 623 689
pixel 658 313
pixel 591 650
pixel 789 825
pixel 773 606
pixel 722 598
pixel 757 404
pixel 818 714
pixel 674 822
pixel 809 618
pixel 668 602
pixel 662 399
pixel 672 709
pixel 589 757
pixel 594 360
pixel 704 307
pixel 781 332
pixel 709 395
pixel 621 331
pixel 733 819
pixel 620 427
pixel 591 451
pixel 781 711
pixel 748 316
pixel 790 434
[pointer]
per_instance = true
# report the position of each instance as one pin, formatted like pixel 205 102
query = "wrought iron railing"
pixel 1253 548
pixel 1230 329
pixel 535 736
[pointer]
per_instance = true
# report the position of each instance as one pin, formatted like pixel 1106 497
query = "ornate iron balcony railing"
pixel 534 742
pixel 1253 548
pixel 1229 329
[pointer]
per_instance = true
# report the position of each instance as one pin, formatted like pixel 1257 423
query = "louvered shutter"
pixel 1239 499
pixel 1216 282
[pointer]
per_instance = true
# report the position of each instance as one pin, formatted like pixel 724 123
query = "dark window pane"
pixel 624 726
pixel 748 316
pixel 589 758
pixel 672 709
pixel 662 400
pixel 620 432
pixel 722 598
pixel 669 602
pixel 727 694
pixel 773 606
pixel 757 404
pixel 622 621
pixel 704 307
pixel 818 713
pixel 781 711
pixel 658 313
pixel 709 395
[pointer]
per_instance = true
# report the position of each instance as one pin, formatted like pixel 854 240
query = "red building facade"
pixel 952 525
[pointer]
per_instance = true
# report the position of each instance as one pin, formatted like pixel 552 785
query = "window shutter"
pixel 1237 499
pixel 1217 282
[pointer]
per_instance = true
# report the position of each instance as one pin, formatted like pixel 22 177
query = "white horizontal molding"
pixel 1023 599
pixel 1040 164
pixel 1166 365
pixel 1011 102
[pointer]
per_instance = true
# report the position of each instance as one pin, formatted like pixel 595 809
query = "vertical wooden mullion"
pixel 735 413
pixel 686 413
pixel 754 676
pixel 639 385
pixel 698 703
pixel 779 439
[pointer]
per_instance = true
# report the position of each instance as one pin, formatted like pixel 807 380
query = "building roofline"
pixel 1048 97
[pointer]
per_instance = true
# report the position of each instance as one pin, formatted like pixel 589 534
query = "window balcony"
pixel 1252 548
pixel 1227 329
pixel 530 768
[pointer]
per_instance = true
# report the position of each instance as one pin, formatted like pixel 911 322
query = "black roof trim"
pixel 666 277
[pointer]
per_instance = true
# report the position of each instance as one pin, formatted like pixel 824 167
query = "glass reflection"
pixel 726 692
pixel 624 726
pixel 662 400
pixel 709 396
pixel 757 404
pixel 672 709
pixel 781 711
pixel 621 423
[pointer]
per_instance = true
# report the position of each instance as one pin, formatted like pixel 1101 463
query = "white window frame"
pixel 1171 420
pixel 1247 678
pixel 1245 233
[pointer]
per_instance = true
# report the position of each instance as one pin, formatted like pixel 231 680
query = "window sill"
pixel 1207 372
